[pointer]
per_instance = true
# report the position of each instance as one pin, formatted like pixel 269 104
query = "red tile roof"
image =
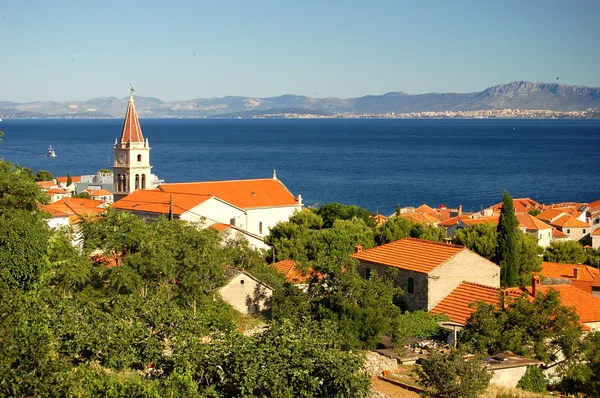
pixel 569 221
pixel 596 232
pixel 289 269
pixel 460 304
pixel 245 194
pixel 556 234
pixel 132 132
pixel 155 201
pixel 64 179
pixel 587 305
pixel 54 191
pixel 45 184
pixel 220 227
pixel 482 220
pixel 411 254
pixel 521 205
pixel 550 214
pixel 54 212
pixel 453 221
pixel 101 192
pixel 76 208
pixel 531 223
pixel 421 217
pixel 585 277
pixel 428 210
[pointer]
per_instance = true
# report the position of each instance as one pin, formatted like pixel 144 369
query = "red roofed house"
pixel 102 194
pixel 292 272
pixel 575 228
pixel 461 302
pixel 533 226
pixel 57 194
pixel 596 238
pixel 579 276
pixel 428 271
pixel 521 205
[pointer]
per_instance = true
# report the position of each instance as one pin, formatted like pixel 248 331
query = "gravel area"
pixel 391 390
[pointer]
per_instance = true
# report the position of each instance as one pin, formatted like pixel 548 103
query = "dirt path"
pixel 391 390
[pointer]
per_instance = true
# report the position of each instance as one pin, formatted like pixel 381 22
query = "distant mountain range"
pixel 516 95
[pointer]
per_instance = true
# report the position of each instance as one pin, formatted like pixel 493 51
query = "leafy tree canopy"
pixel 330 212
pixel 569 251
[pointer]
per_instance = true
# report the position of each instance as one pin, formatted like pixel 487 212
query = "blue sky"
pixel 181 50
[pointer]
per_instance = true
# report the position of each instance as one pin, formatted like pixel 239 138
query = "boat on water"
pixel 51 153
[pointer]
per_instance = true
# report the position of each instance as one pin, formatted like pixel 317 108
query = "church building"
pixel 132 170
pixel 248 207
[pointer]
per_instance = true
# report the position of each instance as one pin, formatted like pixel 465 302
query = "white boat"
pixel 51 153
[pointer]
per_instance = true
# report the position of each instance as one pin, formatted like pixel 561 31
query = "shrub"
pixel 533 380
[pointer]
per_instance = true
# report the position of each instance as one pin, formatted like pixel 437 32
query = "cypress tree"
pixel 506 252
pixel 69 179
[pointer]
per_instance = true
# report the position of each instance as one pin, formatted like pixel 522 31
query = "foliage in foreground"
pixel 541 329
pixel 533 380
pixel 452 376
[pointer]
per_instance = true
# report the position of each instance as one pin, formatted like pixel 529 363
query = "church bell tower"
pixel 131 169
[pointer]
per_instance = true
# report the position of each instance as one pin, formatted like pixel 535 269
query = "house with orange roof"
pixel 521 205
pixel 78 208
pixel 457 223
pixel 593 215
pixel 101 194
pixel 62 181
pixel 536 227
pixel 573 227
pixel 427 271
pixel 263 202
pixel 58 218
pixel 461 303
pixel 47 185
pixel 57 194
pixel 578 275
pixel 425 218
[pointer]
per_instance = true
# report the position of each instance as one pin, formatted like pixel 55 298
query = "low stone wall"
pixel 376 364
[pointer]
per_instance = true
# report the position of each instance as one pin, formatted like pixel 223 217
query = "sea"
pixel 373 163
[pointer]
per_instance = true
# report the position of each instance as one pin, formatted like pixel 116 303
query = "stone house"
pixel 246 293
pixel 427 271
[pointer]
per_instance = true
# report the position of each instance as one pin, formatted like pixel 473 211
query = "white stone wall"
pixel 253 241
pixel 57 222
pixel 269 216
pixel 464 266
pixel 246 295
pixel 544 237
pixel 215 211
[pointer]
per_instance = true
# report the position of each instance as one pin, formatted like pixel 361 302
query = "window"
pixel 410 288
pixel 584 230
pixel 241 282
pixel 139 158
pixel 260 228
pixel 568 231
pixel 137 181
pixel 143 181
pixel 125 183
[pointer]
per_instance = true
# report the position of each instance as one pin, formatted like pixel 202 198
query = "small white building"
pixel 245 293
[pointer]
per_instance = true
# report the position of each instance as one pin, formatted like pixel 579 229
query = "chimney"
pixel 358 248
pixel 575 273
pixel 535 281
pixel 460 210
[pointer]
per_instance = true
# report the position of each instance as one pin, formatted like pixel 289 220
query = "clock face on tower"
pixel 122 158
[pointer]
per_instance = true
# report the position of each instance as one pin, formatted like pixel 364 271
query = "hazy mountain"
pixel 515 95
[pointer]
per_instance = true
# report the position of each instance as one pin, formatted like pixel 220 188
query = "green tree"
pixel 43 175
pixel 400 227
pixel 18 189
pixel 330 212
pixel 480 238
pixel 69 179
pixel 288 238
pixel 507 250
pixel 533 380
pixel 529 256
pixel 83 195
pixel 570 252
pixel 340 240
pixel 583 376
pixel 453 376
pixel 540 328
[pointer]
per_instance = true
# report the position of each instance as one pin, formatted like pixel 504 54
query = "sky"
pixel 181 50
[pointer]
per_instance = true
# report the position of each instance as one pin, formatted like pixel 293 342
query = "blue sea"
pixel 373 163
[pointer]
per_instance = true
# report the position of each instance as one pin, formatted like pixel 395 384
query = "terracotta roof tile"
pixel 64 179
pixel 421 217
pixel 245 194
pixel 550 214
pixel 54 212
pixel 556 234
pixel 531 223
pixel 101 192
pixel 482 220
pixel 54 191
pixel 428 210
pixel 132 132
pixel 46 184
pixel 220 227
pixel 596 232
pixel 569 221
pixel 453 221
pixel 410 254
pixel 567 271
pixel 460 304
pixel 289 269
pixel 521 205
pixel 587 305
pixel 155 201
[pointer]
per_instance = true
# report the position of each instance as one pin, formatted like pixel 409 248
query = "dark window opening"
pixel 139 158
pixel 410 288
pixel 242 282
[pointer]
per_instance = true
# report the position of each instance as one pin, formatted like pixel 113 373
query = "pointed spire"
pixel 132 132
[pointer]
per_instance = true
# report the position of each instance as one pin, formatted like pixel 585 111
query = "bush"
pixel 533 380
pixel 453 376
